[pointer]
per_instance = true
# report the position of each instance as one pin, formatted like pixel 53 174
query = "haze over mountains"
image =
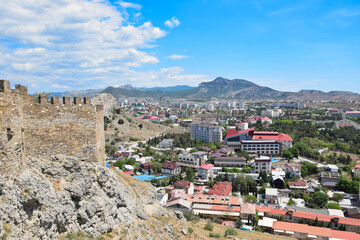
pixel 220 88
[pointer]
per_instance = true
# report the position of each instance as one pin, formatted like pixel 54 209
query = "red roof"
pixel 206 166
pixel 182 184
pixel 130 173
pixel 233 132
pixel 242 123
pixel 279 137
pixel 298 182
pixel 171 165
pixel 266 133
pixel 221 189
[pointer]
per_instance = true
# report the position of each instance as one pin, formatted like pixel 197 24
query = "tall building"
pixel 206 132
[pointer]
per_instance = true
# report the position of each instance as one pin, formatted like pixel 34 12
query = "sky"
pixel 63 45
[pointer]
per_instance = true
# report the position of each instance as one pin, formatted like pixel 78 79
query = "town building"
pixel 205 172
pixel 206 132
pixel 353 114
pixel 193 160
pixel 221 189
pixel 242 126
pixel 263 163
pixel 170 168
pixel 166 143
pixel 329 179
pixel 271 194
pixel 294 170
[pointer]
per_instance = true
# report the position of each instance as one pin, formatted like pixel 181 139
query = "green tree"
pixel 249 198
pixel 246 169
pixel 189 174
pixel 318 200
pixel 333 206
pixel 337 197
pixel 238 223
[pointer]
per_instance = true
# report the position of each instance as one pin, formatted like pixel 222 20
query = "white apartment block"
pixel 260 147
pixel 263 163
pixel 193 160
pixel 206 132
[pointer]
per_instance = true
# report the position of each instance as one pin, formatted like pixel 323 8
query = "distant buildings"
pixel 166 143
pixel 206 132
pixel 329 179
pixel 352 114
pixel 265 143
pixel 294 169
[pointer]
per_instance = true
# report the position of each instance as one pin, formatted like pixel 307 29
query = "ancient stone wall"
pixel 41 128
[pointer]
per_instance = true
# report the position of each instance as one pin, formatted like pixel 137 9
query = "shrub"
pixel 190 230
pixel 209 226
pixel 333 206
pixel 190 216
pixel 238 223
pixel 230 232
pixel 212 235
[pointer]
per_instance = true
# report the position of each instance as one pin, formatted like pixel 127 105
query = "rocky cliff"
pixel 67 195
pixel 107 101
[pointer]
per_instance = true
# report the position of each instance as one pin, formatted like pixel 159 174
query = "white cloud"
pixel 59 86
pixel 176 56
pixel 173 22
pixel 130 5
pixel 79 44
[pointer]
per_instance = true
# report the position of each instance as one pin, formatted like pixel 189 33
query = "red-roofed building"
pixel 293 169
pixel 186 185
pixel 130 173
pixel 221 189
pixel 205 172
pixel 146 168
pixel 298 184
pixel 170 168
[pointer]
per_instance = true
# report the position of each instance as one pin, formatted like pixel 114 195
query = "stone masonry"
pixel 39 128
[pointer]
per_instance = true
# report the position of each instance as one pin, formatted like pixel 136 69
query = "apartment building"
pixel 206 132
pixel 193 160
pixel 263 163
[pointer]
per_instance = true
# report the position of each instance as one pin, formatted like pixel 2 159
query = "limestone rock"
pixel 107 100
pixel 65 194
pixel 179 215
pixel 184 231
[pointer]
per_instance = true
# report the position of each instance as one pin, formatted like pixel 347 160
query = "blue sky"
pixel 62 45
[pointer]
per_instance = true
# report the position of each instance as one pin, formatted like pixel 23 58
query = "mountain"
pixel 222 88
pixel 168 89
pixel 79 93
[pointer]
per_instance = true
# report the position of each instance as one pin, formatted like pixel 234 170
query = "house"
pixel 242 126
pixel 146 168
pixel 294 170
pixel 356 169
pixel 186 185
pixel 130 173
pixel 170 168
pixel 271 194
pixel 263 163
pixel 329 179
pixel 205 172
pixel 230 161
pixel 278 181
pixel 193 160
pixel 353 212
pixel 331 167
pixel 166 143
pixel 298 184
pixel 221 189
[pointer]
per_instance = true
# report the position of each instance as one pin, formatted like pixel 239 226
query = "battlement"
pixel 5 86
pixel 42 128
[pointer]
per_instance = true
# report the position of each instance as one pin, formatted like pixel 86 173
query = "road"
pixel 302 159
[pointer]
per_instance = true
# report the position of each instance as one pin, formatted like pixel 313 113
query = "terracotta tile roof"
pixel 206 166
pixel 317 231
pixel 182 184
pixel 248 208
pixel 212 199
pixel 298 182
pixel 221 189
pixel 278 137
pixel 170 165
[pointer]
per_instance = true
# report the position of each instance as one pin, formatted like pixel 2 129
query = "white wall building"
pixel 206 132
pixel 193 160
pixel 263 163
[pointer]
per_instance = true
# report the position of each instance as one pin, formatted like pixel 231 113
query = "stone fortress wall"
pixel 39 128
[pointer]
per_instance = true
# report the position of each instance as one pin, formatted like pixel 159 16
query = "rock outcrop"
pixel 65 194
pixel 107 100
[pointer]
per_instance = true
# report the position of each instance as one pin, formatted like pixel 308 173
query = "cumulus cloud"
pixel 79 44
pixel 130 5
pixel 173 22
